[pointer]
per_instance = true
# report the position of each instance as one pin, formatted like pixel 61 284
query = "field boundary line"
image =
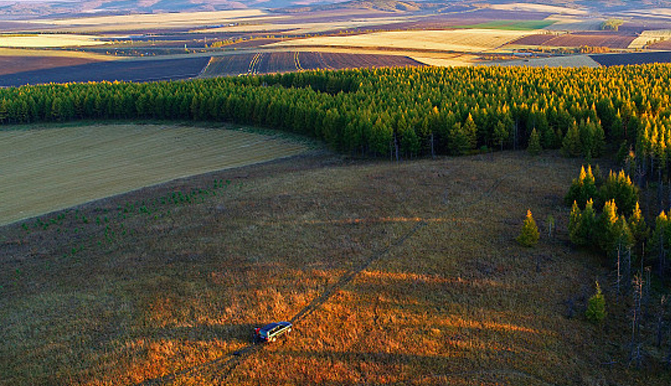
pixel 202 72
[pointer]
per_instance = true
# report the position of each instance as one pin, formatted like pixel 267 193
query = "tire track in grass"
pixel 218 370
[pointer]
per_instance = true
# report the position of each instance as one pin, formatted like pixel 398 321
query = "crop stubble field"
pixel 442 293
pixel 49 169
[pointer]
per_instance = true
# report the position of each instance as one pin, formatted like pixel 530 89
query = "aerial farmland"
pixel 209 192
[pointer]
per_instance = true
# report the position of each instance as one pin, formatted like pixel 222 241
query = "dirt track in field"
pixel 50 169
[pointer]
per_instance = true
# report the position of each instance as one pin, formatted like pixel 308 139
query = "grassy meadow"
pixel 45 169
pixel 393 273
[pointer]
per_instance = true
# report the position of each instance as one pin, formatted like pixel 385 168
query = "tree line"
pixel 400 112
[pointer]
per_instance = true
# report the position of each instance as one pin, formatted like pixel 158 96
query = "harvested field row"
pixel 632 58
pixel 577 40
pixel 46 170
pixel 276 62
pixel 121 70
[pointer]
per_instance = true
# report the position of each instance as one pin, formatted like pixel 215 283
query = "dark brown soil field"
pixel 579 40
pixel 663 45
pixel 632 58
pixel 534 40
pixel 122 70
pixel 275 62
pixel 16 64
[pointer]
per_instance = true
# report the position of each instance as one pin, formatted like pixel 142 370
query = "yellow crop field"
pixel 462 40
pixel 48 169
pixel 48 40
pixel 648 36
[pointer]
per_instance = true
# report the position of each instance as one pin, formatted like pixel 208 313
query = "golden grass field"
pixel 48 169
pixel 48 40
pixel 393 273
pixel 471 40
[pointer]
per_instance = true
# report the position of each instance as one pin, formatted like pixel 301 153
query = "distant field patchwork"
pixel 48 169
pixel 471 40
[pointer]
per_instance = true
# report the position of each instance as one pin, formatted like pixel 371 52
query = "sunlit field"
pixel 48 40
pixel 392 273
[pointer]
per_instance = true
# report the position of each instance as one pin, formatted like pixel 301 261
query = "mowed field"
pixel 471 40
pixel 277 62
pixel 48 169
pixel 393 273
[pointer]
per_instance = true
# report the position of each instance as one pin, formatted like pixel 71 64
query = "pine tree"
pixel 596 307
pixel 607 234
pixel 571 145
pixel 534 143
pixel 530 234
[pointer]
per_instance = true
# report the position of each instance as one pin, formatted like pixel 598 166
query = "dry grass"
pixel 470 40
pixel 458 302
pixel 48 41
pixel 49 169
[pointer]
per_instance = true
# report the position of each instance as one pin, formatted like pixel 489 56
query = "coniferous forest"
pixel 398 112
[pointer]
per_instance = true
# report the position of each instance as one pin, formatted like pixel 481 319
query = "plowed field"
pixel 45 170
pixel 633 58
pixel 274 62
pixel 122 70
